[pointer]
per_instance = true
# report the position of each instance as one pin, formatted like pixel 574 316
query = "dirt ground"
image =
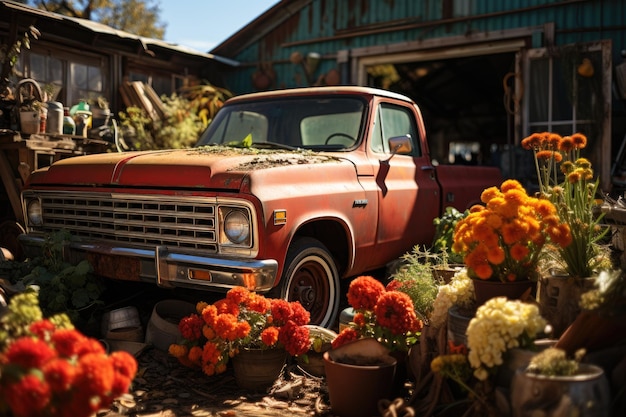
pixel 165 388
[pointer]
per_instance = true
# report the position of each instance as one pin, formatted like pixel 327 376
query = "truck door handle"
pixel 427 168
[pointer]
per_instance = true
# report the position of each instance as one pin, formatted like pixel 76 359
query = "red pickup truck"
pixel 287 192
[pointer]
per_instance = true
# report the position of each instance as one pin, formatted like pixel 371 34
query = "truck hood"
pixel 207 167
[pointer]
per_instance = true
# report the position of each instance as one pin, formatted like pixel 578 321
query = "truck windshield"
pixel 332 123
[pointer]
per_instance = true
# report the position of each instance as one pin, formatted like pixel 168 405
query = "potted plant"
pixel 501 242
pixel 248 329
pixel 552 381
pixel 48 368
pixel 30 106
pixel 312 362
pixel 566 179
pixel 449 262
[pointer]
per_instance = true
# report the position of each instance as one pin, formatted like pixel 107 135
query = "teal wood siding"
pixel 329 26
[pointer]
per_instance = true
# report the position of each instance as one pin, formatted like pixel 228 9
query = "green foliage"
pixel 415 278
pixel 139 17
pixel 444 234
pixel 63 287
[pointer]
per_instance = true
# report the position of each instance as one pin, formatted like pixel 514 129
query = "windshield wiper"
pixel 273 145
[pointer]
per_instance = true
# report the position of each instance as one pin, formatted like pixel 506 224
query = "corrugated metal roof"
pixel 100 28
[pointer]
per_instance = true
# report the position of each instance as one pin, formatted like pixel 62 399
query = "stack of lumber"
pixel 142 95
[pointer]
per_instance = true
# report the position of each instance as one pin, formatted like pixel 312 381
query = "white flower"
pixel 459 292
pixel 500 325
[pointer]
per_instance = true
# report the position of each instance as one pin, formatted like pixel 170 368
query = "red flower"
pixel 68 342
pixel 59 374
pixel 95 374
pixel 299 314
pixel 28 352
pixel 238 295
pixel 28 397
pixel 281 311
pixel 42 328
pixel 191 327
pixel 294 338
pixel 364 292
pixel 269 336
pixel 124 363
pixel 395 311
pixel 346 335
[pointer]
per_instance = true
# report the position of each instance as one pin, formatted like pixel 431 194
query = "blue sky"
pixel 203 24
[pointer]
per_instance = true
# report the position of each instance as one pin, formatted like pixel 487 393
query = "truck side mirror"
pixel 400 145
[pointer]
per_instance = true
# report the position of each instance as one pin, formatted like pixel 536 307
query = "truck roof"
pixel 354 90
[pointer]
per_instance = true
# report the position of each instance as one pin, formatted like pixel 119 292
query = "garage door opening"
pixel 462 100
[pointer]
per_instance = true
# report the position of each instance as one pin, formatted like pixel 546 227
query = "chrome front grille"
pixel 140 220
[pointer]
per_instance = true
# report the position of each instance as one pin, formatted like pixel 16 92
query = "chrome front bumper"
pixel 168 268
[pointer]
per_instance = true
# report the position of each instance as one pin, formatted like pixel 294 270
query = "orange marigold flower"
pixel 258 303
pixel 496 255
pixel 281 311
pixel 201 305
pixel 28 352
pixel 519 252
pixel 209 315
pixel 553 140
pixel 67 341
pixel 27 397
pixel 364 291
pixel 124 363
pixel 191 327
pixel 59 374
pixel 532 142
pixel 476 208
pixel 567 144
pixel 299 315
pixel 488 194
pixel 294 338
pixel 226 306
pixel 574 177
pixel 208 369
pixel 220 368
pixel 177 351
pixel 513 231
pixel 269 336
pixel 580 140
pixel 238 295
pixel 242 330
pixel 509 185
pixel 208 332
pixel 483 271
pixel 348 334
pixel 42 328
pixel 547 155
pixel 359 319
pixel 395 311
pixel 195 354
pixel 211 353
pixel 225 326
pixel 95 374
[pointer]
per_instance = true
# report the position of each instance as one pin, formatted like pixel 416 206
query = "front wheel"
pixel 310 277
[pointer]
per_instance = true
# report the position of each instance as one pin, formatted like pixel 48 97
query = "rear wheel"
pixel 310 277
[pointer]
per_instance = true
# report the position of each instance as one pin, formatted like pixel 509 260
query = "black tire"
pixel 310 277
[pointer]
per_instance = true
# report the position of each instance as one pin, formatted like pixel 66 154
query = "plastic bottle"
pixel 69 127
pixel 55 118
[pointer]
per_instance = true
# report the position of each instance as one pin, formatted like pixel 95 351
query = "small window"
pixel 395 121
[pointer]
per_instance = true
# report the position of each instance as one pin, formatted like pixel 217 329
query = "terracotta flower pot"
pixel 358 375
pixel 516 290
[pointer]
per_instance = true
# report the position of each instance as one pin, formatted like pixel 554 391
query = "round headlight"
pixel 34 212
pixel 236 227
